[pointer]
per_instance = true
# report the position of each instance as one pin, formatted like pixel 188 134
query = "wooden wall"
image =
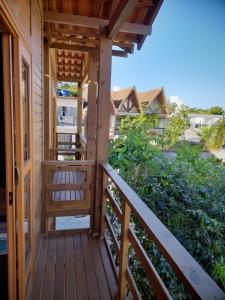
pixel 37 86
pixel 27 23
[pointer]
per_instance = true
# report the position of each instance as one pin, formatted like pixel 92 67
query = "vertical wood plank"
pixel 124 250
pixel 103 120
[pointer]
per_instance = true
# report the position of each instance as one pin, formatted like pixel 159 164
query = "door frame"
pixel 9 162
pixel 17 285
pixel 25 269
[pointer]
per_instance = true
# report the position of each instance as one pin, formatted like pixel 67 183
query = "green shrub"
pixel 186 193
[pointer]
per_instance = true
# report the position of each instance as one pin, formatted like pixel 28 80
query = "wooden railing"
pixel 68 146
pixel 197 282
pixel 67 189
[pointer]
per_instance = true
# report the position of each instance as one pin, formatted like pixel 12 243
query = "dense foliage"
pixel 214 110
pixel 68 86
pixel 186 193
pixel 214 136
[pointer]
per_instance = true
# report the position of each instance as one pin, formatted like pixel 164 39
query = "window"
pixel 26 109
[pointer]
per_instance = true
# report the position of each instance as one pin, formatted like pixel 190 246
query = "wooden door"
pixel 23 137
pixel 9 162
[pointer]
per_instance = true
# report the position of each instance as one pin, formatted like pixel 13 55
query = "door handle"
pixel 17 175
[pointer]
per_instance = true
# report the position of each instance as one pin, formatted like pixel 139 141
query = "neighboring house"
pixel 129 102
pixel 124 103
pixel 199 120
pixel 66 112
pixel 154 102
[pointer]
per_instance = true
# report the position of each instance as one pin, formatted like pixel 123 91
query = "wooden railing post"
pixel 103 208
pixel 123 258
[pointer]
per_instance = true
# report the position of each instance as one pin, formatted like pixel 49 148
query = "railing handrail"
pixel 198 282
pixel 68 163
pixel 68 150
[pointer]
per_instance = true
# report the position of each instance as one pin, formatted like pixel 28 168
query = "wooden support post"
pixel 92 107
pixel 79 119
pixel 124 251
pixel 92 118
pixel 103 120
pixel 79 108
pixel 46 100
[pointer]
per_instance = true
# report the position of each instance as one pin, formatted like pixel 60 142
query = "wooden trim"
pixel 90 22
pixel 9 160
pixel 120 15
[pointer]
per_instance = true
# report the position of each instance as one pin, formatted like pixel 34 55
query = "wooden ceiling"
pixel 74 25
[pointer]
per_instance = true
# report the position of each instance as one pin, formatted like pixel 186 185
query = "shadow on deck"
pixel 74 266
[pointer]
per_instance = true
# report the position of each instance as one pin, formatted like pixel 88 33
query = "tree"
pixel 216 110
pixel 215 138
pixel 174 129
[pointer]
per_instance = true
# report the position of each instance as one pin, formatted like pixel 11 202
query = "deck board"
pixel 73 266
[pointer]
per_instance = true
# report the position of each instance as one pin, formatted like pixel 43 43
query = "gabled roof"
pixel 150 96
pixel 122 95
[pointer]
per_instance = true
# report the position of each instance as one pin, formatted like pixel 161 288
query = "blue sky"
pixel 185 54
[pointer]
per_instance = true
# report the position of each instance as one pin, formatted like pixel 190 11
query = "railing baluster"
pixel 123 267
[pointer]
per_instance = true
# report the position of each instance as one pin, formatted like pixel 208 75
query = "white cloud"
pixel 177 100
pixel 116 88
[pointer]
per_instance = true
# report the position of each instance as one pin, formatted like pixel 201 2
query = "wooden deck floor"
pixel 74 266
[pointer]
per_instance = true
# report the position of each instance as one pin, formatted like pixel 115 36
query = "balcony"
pixel 75 264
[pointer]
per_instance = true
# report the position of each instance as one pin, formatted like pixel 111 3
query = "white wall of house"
pixel 198 120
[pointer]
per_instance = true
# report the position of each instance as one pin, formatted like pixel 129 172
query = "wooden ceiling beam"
pixel 148 20
pixel 119 53
pixel 89 22
pixel 74 39
pixel 69 79
pixel 126 47
pixel 72 47
pixel 120 15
